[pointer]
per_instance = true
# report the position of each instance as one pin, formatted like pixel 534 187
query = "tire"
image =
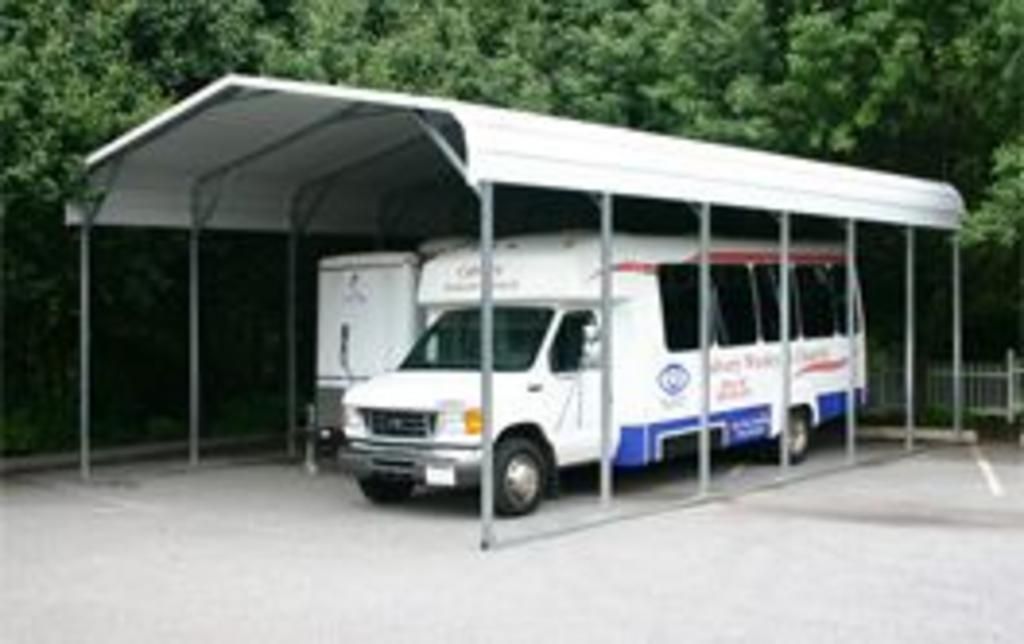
pixel 385 491
pixel 520 477
pixel 799 437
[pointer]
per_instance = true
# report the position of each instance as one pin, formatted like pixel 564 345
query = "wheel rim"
pixel 798 437
pixel 522 480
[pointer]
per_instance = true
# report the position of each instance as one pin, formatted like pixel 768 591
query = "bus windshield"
pixel 453 341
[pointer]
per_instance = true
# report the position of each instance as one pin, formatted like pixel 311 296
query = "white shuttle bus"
pixel 420 424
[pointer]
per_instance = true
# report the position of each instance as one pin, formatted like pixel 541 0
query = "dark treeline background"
pixel 929 88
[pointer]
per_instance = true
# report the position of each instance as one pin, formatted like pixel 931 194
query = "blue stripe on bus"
pixel 639 444
pixel 832 405
pixel 632 449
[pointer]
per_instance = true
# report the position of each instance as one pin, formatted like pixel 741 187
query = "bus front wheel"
pixel 520 477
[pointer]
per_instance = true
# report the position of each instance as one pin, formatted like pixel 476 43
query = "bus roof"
pixel 565 267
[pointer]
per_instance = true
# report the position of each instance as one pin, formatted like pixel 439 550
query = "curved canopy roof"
pixel 257 154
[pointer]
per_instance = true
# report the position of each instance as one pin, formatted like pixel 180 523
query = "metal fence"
pixel 989 388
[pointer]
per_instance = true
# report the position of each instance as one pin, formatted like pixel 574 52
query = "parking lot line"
pixel 988 472
pixel 736 470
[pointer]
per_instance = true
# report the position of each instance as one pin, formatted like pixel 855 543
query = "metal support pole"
pixel 1011 386
pixel 958 359
pixel 784 336
pixel 704 465
pixel 311 424
pixel 487 364
pixel 89 214
pixel 292 426
pixel 193 346
pixel 84 350
pixel 909 358
pixel 607 405
pixel 852 335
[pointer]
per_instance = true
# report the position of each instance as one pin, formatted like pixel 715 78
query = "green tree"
pixel 67 84
pixel 183 44
pixel 914 86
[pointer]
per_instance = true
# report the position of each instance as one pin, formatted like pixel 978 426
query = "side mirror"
pixel 591 349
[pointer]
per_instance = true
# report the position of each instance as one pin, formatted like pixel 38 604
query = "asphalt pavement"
pixel 925 548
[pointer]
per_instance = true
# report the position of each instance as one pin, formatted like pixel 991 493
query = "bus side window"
pixel 838 275
pixel 680 305
pixel 735 301
pixel 816 306
pixel 767 301
pixel 567 349
pixel 768 278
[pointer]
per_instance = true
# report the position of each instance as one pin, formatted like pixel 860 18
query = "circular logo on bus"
pixel 673 379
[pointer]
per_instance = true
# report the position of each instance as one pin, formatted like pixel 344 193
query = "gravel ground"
pixel 928 548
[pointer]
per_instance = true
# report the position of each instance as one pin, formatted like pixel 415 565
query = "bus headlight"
pixel 455 419
pixel 353 420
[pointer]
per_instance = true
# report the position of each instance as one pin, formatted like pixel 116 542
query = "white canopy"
pixel 253 153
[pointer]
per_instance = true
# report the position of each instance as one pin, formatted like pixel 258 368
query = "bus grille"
pixel 328 406
pixel 402 424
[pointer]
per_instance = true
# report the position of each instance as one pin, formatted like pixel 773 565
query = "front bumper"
pixel 327 440
pixel 430 464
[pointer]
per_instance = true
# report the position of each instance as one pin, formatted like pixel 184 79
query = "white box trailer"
pixel 421 423
pixel 367 320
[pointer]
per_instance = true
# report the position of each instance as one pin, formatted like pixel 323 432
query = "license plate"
pixel 443 476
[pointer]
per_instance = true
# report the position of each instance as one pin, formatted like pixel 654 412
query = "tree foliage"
pixel 928 88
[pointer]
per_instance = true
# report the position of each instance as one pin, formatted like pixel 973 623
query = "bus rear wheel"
pixel 520 477
pixel 799 437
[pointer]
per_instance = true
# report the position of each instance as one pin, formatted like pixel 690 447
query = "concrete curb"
pixel 16 464
pixel 928 434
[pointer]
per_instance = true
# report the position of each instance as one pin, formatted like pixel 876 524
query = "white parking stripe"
pixel 988 473
pixel 735 470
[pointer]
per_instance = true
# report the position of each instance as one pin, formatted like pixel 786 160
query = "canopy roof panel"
pixel 257 154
